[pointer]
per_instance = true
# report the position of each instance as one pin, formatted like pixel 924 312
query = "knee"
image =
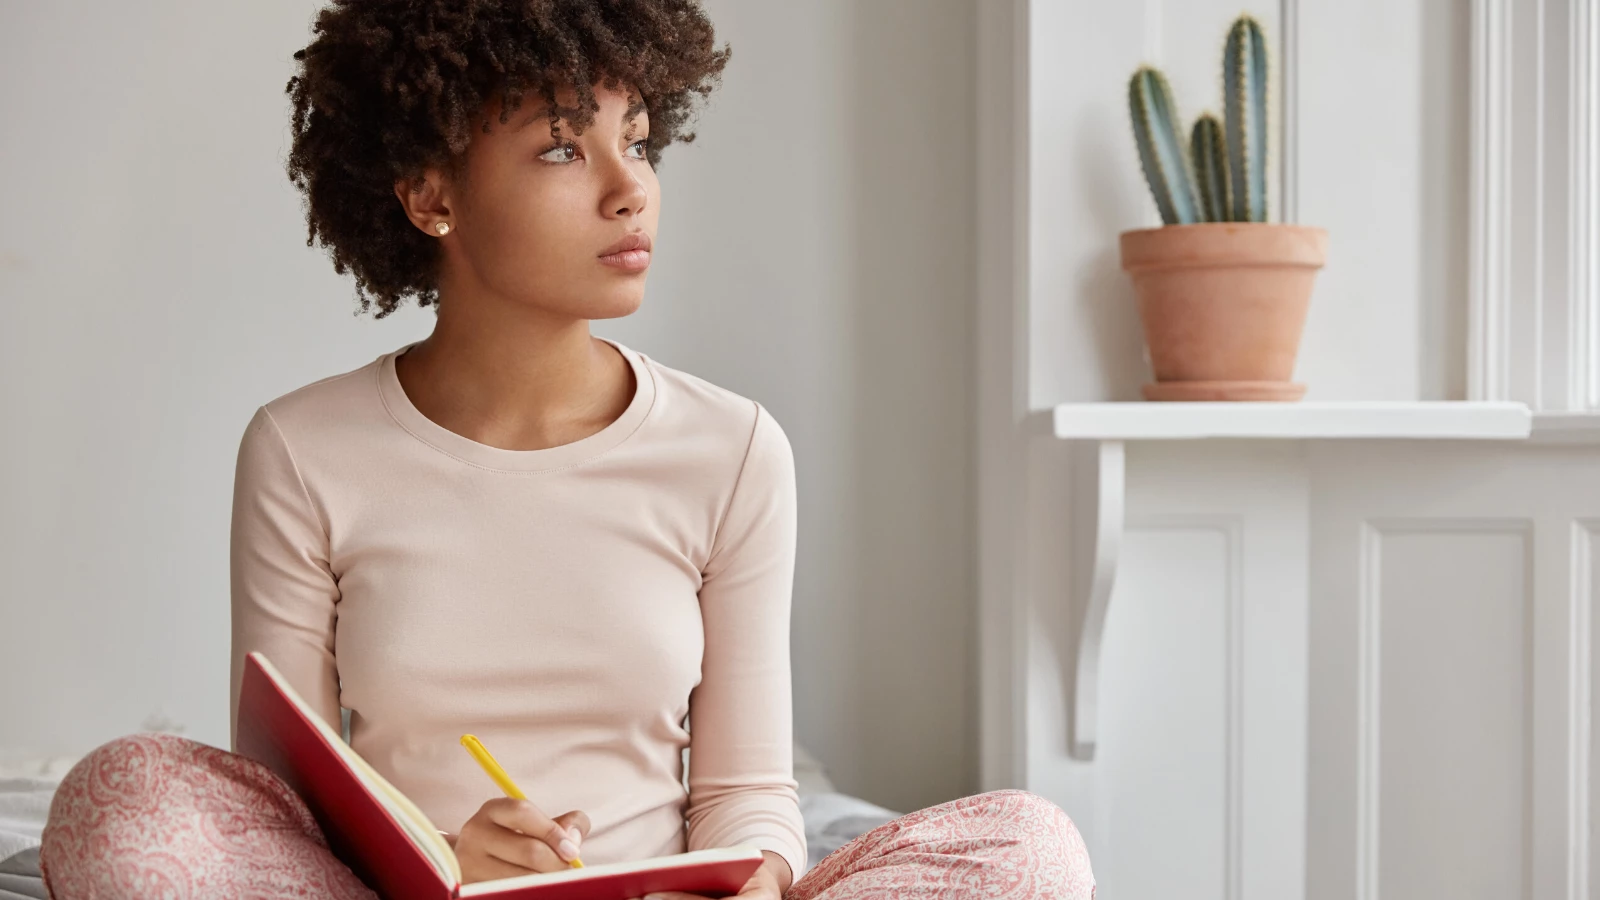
pixel 109 799
pixel 1024 808
pixel 1043 818
pixel 121 784
pixel 1049 837
pixel 1036 805
pixel 122 778
pixel 1019 803
pixel 128 808
pixel 135 780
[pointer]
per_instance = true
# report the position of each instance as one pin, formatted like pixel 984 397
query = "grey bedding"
pixel 24 804
pixel 19 877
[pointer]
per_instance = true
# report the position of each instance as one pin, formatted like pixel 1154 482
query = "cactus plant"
pixel 1229 159
pixel 1209 154
pixel 1223 302
pixel 1244 86
pixel 1161 146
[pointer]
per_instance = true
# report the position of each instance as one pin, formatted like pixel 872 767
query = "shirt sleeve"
pixel 742 788
pixel 282 586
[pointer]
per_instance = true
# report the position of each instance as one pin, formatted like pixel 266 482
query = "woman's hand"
pixel 768 883
pixel 513 837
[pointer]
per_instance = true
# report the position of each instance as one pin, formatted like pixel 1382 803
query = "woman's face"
pixel 538 208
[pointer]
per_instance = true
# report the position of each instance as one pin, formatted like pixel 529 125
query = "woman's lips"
pixel 628 260
pixel 631 254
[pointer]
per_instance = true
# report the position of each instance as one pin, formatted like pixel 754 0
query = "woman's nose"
pixel 626 194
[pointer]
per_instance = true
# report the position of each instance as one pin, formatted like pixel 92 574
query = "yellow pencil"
pixel 481 754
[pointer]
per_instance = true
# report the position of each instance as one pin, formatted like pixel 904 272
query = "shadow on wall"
pixel 1113 314
pixel 913 280
pixel 1443 276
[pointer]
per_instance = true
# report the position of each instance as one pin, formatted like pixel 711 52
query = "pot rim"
pixel 1290 226
pixel 1205 245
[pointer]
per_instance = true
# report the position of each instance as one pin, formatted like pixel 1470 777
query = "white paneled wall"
pixel 1197 783
pixel 1354 669
pixel 1451 607
pixel 1172 647
pixel 1211 590
pixel 1329 669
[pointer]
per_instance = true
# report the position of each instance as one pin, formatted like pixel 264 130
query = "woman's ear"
pixel 425 201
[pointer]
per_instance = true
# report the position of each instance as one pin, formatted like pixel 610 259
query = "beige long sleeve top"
pixel 588 610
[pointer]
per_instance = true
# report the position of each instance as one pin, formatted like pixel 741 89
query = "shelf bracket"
pixel 1098 498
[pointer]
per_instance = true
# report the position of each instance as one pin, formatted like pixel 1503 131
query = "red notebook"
pixel 387 841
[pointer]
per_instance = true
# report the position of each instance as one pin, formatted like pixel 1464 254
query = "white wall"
pixel 1382 121
pixel 815 254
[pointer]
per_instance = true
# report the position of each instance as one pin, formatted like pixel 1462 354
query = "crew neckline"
pixel 562 456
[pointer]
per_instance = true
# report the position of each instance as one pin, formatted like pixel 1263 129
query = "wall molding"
pixel 1231 528
pixel 1368 644
pixel 1289 109
pixel 1580 716
pixel 1583 175
pixel 1534 298
pixel 1369 677
pixel 1489 301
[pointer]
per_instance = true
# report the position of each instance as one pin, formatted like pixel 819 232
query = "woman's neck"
pixel 515 378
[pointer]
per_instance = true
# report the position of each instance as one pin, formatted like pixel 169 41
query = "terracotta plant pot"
pixel 1223 305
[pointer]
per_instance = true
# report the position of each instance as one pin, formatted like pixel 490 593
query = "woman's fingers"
pixel 508 837
pixel 523 816
pixel 577 819
pixel 522 850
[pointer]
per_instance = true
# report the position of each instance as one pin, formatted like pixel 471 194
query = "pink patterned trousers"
pixel 157 816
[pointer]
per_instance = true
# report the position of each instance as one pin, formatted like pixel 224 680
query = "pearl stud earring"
pixel 442 228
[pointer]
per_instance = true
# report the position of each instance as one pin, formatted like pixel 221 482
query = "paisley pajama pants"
pixel 160 817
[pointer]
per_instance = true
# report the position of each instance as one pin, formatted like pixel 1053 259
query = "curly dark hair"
pixel 388 88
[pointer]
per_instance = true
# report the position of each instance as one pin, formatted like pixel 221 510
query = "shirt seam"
pixel 738 482
pixel 299 477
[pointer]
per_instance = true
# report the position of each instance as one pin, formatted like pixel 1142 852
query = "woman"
pixel 513 528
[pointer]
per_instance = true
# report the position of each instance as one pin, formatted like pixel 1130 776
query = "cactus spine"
pixel 1244 86
pixel 1161 149
pixel 1209 154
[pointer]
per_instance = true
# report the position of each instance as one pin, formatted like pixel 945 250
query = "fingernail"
pixel 577 836
pixel 567 850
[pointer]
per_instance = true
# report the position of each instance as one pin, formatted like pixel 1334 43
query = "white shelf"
pixel 1100 478
pixel 1293 421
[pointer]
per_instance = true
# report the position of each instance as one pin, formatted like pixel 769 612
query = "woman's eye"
pixel 641 146
pixel 562 153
